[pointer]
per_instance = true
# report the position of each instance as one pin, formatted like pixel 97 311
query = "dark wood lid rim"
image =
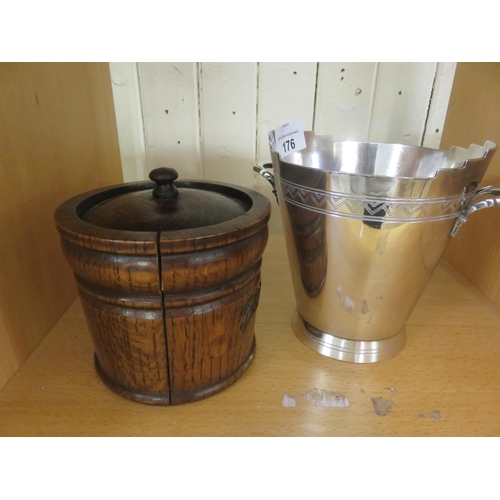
pixel 73 228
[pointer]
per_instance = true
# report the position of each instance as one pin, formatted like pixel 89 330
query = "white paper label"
pixel 288 138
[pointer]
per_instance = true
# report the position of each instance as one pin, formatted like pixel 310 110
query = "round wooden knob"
pixel 164 178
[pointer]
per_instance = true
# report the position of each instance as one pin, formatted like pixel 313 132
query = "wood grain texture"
pixel 129 344
pixel 118 279
pixel 57 137
pixel 205 269
pixel 212 342
pixel 210 295
pixel 171 312
pixel 210 327
pixel 449 365
pixel 473 118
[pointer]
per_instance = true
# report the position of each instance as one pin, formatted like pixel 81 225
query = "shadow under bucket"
pixel 365 226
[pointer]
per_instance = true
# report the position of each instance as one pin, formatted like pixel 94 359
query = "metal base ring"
pixel 353 351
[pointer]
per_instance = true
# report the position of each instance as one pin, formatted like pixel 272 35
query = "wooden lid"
pixel 166 208
pixel 187 215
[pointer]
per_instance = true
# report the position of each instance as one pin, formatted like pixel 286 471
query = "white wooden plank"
pixel 343 100
pixel 401 102
pixel 439 104
pixel 228 102
pixel 169 93
pixel 286 93
pixel 129 123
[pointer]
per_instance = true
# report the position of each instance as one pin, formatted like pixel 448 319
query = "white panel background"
pixel 344 100
pixel 286 93
pixel 228 103
pixel 401 102
pixel 169 98
pixel 219 114
pixel 128 110
pixel 445 73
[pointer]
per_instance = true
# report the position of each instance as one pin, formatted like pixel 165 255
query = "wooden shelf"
pixel 444 383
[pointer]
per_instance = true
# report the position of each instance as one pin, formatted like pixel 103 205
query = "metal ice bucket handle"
pixel 262 168
pixel 475 205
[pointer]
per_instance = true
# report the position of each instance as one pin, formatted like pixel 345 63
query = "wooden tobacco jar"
pixel 169 279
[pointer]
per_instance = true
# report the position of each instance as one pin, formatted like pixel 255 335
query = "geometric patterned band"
pixel 370 208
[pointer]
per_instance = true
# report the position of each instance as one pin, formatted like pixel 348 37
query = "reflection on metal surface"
pixel 370 208
pixel 474 205
pixel 365 226
pixel 308 231
pixel 354 351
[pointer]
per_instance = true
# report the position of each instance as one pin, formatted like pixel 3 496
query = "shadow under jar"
pixel 169 280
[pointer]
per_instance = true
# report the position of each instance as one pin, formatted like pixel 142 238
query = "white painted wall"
pixel 128 109
pixel 210 120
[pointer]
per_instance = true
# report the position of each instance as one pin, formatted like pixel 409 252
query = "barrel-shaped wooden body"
pixel 171 313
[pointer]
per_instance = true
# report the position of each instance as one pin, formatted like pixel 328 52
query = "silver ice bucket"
pixel 365 226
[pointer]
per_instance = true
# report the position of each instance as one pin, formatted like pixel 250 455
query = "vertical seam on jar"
pixel 164 316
